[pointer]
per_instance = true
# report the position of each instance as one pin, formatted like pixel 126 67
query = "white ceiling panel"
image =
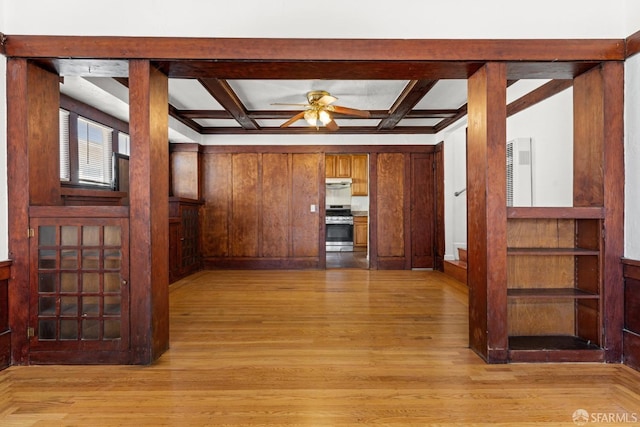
pixel 188 94
pixel 446 94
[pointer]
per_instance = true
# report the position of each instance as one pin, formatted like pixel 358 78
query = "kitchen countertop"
pixel 359 213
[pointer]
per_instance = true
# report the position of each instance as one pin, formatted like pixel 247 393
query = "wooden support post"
pixel 149 211
pixel 486 213
pixel 33 176
pixel 599 181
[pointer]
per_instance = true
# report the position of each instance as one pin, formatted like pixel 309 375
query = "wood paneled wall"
pixel 631 332
pixel 257 209
pixel 5 332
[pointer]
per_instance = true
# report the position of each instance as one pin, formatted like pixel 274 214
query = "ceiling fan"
pixel 319 111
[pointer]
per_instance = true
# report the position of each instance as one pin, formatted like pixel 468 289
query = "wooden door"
pixel 79 298
pixel 422 210
pixel 389 215
pixel 189 239
pixel 360 175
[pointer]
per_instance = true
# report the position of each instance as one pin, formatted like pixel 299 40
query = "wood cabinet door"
pixel 79 298
pixel 359 175
pixel 422 210
pixel 330 165
pixel 343 166
pixel 360 232
pixel 175 260
pixel 189 239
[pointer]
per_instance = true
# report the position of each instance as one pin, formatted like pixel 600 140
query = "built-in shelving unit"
pixel 554 284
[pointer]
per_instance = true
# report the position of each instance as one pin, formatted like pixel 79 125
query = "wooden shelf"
pixel 552 251
pixel 544 293
pixel 553 348
pixel 555 212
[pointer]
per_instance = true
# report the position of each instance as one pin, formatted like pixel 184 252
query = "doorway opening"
pixel 347 210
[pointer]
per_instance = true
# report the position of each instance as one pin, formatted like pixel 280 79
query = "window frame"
pixel 78 109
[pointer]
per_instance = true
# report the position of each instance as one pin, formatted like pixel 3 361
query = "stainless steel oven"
pixel 339 229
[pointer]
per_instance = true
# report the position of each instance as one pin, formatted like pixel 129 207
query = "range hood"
pixel 338 182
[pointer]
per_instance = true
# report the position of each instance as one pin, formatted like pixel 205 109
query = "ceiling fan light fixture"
pixel 311 116
pixel 324 117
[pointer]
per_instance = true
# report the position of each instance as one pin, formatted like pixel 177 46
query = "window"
pixel 88 140
pixel 124 143
pixel 94 152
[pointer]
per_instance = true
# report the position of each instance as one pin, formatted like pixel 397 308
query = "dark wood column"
pixel 33 178
pixel 149 211
pixel 599 181
pixel 486 212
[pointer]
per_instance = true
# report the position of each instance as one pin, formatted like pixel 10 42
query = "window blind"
pixel 94 152
pixel 65 169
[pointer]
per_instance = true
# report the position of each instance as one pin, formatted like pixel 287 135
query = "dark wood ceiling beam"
pixel 224 94
pixel 351 130
pixel 205 114
pixel 410 96
pixel 267 49
pixel 280 114
pixel 540 94
pixel 535 96
pixel 175 113
pixel 632 44
pixel 462 111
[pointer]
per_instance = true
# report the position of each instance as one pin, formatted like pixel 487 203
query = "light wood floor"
pixel 318 348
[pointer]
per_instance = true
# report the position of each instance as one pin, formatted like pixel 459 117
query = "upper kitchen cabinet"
pixel 338 165
pixel 354 166
pixel 359 175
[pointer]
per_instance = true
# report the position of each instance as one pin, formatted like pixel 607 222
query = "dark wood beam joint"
pixel 224 94
pixel 187 121
pixel 410 96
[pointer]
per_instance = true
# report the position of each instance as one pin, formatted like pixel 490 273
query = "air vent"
pixel 519 172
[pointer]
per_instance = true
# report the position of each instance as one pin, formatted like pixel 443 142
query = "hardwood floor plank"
pixel 317 348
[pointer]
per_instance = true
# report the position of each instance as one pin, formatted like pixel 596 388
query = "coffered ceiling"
pixel 242 97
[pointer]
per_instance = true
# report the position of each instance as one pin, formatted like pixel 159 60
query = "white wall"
pixel 550 125
pixel 347 19
pixel 632 157
pixel 455 180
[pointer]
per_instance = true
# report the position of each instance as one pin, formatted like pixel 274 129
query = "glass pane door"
pixel 80 294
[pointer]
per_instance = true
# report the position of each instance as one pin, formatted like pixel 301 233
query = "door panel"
pixel 390 205
pixel 276 194
pixel 305 191
pixel 422 210
pixel 79 286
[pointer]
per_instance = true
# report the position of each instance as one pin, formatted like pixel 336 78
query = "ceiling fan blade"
pixel 283 103
pixel 332 125
pixel 350 111
pixel 293 119
pixel 326 100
